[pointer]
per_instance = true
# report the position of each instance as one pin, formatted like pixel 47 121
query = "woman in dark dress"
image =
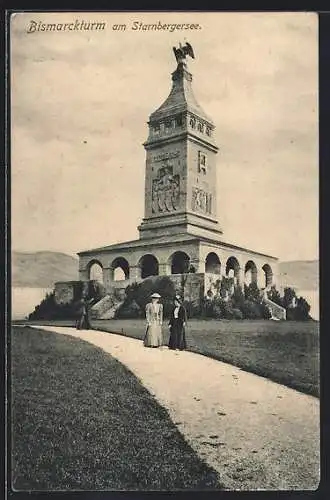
pixel 83 322
pixel 177 325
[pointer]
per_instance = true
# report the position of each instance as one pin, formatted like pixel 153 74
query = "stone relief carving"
pixel 201 201
pixel 165 191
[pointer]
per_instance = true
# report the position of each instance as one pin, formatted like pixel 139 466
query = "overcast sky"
pixel 81 100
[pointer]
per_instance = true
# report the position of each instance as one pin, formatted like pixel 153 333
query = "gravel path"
pixel 255 433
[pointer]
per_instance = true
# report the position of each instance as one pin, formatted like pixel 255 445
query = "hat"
pixel 155 296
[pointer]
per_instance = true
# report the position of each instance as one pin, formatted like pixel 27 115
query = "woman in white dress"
pixel 154 317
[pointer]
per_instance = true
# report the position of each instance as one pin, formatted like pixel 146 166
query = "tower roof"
pixel 181 97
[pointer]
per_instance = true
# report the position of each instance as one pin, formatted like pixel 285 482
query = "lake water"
pixel 24 300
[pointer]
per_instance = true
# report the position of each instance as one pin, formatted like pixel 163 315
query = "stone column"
pixel 134 273
pixel 164 269
pixel 107 278
pixel 83 274
pixel 199 265
pixel 241 277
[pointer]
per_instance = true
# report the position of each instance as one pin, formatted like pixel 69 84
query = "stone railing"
pixel 105 308
pixel 277 312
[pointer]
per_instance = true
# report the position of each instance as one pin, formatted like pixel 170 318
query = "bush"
pixel 274 295
pixel 193 309
pixel 251 310
pixel 241 305
pixel 139 293
pixel 238 298
pixel 48 309
pixel 300 312
pixel 264 311
pixel 217 311
pixel 237 314
pixel 302 309
pixel 129 310
pixel 207 307
pixel 252 293
pixel 225 286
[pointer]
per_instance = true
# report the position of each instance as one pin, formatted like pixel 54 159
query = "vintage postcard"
pixel 165 293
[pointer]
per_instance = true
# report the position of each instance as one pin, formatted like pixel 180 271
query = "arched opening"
pixel 149 266
pixel 180 263
pixel 120 269
pixel 233 268
pixel 95 271
pixel 212 263
pixel 268 275
pixel 250 273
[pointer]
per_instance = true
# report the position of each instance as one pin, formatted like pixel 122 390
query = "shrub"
pixel 237 313
pixel 289 297
pixel 238 298
pixel 265 312
pixel 252 293
pixel 207 307
pixel 225 286
pixel 217 311
pixel 302 309
pixel 129 310
pixel 227 309
pixel 140 294
pixel 251 310
pixel 274 295
pixel 48 309
pixel 193 309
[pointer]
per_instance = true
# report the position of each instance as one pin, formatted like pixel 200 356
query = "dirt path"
pixel 256 434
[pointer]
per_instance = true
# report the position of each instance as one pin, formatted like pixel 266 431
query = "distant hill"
pixel 42 269
pixel 300 274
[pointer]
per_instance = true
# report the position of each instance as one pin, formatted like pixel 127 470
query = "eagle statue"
pixel 182 51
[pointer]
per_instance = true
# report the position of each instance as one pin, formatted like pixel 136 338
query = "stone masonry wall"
pixel 67 291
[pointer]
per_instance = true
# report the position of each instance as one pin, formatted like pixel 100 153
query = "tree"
pixel 238 297
pixel 302 309
pixel 252 293
pixel 226 286
pixel 289 298
pixel 274 295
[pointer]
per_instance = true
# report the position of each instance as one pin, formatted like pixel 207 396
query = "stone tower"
pixel 180 179
pixel 180 236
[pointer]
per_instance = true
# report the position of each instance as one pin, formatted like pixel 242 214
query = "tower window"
pixel 208 131
pixel 156 128
pixel 192 122
pixel 202 162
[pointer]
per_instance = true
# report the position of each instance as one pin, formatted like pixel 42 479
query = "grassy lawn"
pixel 81 420
pixel 286 352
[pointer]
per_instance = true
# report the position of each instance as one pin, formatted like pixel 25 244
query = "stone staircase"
pixel 277 312
pixel 105 308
